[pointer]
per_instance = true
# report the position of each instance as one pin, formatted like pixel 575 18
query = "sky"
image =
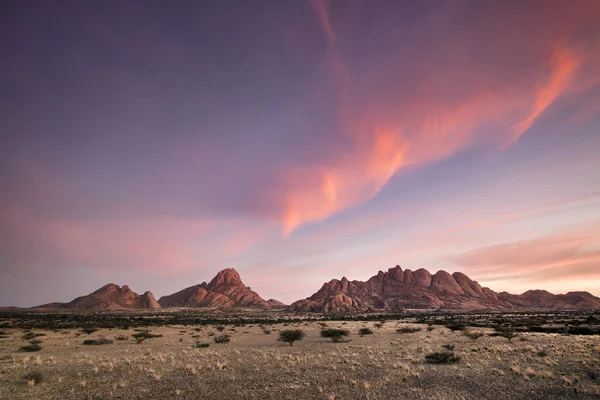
pixel 154 143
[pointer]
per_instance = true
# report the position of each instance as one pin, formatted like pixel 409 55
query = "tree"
pixel 334 334
pixel 291 335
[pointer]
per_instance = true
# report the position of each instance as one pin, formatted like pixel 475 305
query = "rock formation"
pixel 110 297
pixel 398 290
pixel 225 290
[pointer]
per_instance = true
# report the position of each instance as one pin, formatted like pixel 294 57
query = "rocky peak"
pixel 109 288
pixel 228 276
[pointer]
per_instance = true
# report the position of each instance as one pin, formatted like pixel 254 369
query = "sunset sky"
pixel 154 143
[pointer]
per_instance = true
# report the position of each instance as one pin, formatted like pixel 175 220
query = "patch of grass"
pixel 445 357
pixel 31 348
pixel 97 342
pixel 291 335
pixel 472 335
pixel 334 334
pixel 222 339
pixel 365 331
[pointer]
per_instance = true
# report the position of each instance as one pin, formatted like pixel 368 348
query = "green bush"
pixel 365 331
pixel 31 348
pixel 442 358
pixel 334 334
pixel 291 335
pixel 97 342
pixel 408 329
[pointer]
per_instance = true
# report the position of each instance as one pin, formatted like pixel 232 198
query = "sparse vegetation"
pixel 365 331
pixel 449 347
pixel 89 331
pixel 97 342
pixel 445 357
pixel 267 331
pixel 408 329
pixel 472 334
pixel 508 333
pixel 334 334
pixel 201 345
pixel 34 376
pixel 143 335
pixel 222 339
pixel 31 348
pixel 291 335
pixel 122 337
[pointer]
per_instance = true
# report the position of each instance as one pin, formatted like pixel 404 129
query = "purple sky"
pixel 155 143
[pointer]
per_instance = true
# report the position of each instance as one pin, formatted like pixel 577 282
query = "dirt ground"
pixel 255 365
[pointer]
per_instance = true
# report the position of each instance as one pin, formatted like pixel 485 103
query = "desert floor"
pixel 255 365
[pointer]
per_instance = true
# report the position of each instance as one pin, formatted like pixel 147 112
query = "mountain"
pixel 397 290
pixel 110 297
pixel 225 290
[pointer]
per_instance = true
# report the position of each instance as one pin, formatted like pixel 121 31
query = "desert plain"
pixel 388 363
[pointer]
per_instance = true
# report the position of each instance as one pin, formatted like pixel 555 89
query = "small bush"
pixel 97 342
pixel 430 327
pixel 335 335
pixel 122 337
pixel 31 335
pixel 35 376
pixel 378 325
pixel 291 335
pixel 442 358
pixel 89 331
pixel 221 339
pixel 541 353
pixel 143 335
pixel 220 328
pixel 507 333
pixel 200 345
pixel 267 331
pixel 472 335
pixel 456 327
pixel 365 331
pixel 408 329
pixel 31 348
pixel 449 347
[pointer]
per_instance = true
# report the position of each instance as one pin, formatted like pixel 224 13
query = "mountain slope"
pixel 110 297
pixel 397 290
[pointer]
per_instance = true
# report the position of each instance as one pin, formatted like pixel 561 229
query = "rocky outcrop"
pixel 226 289
pixel 398 290
pixel 110 297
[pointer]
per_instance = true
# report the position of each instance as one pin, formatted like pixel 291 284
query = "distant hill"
pixel 109 297
pixel 398 290
pixel 224 290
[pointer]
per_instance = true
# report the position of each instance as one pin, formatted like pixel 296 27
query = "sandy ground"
pixel 255 365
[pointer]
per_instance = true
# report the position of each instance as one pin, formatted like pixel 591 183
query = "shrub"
pixel 448 347
pixel 378 325
pixel 31 335
pixel 430 327
pixel 445 357
pixel 334 334
pixel 456 327
pixel 507 333
pixel 97 342
pixel 291 335
pixel 200 345
pixel 580 330
pixel 89 331
pixel 220 328
pixel 266 331
pixel 365 331
pixel 143 335
pixel 35 376
pixel 31 348
pixel 122 337
pixel 221 339
pixel 542 353
pixel 408 329
pixel 472 335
